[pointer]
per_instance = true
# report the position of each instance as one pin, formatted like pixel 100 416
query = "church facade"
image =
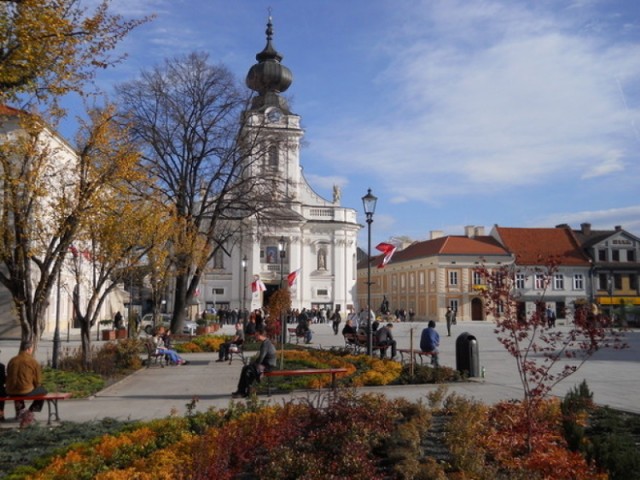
pixel 310 244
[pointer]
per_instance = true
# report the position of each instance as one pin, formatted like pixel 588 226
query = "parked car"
pixel 147 324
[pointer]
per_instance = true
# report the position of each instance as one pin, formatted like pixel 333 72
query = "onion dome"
pixel 269 77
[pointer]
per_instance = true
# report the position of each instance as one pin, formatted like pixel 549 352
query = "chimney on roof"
pixel 618 228
pixel 436 234
pixel 586 228
pixel 478 231
pixel 468 231
pixel 562 225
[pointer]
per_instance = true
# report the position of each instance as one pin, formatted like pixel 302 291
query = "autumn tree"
pixel 544 355
pixel 48 50
pixel 188 113
pixel 49 189
pixel 51 48
pixel 117 241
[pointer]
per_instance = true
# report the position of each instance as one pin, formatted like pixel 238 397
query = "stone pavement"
pixel 155 392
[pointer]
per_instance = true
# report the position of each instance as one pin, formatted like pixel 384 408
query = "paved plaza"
pixel 612 375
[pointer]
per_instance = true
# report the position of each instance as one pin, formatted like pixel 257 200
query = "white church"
pixel 314 239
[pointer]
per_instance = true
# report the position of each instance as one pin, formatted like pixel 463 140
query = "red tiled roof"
pixel 449 245
pixel 537 246
pixel 9 111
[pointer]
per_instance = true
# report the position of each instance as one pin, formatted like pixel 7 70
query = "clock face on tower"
pixel 273 115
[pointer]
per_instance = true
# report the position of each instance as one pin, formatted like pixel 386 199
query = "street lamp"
pixel 244 287
pixel 282 244
pixel 369 204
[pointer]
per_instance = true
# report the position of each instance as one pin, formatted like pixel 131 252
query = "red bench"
pixel 307 371
pixel 51 398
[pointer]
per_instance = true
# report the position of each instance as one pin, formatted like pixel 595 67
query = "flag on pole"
pixel 292 277
pixel 257 285
pixel 388 250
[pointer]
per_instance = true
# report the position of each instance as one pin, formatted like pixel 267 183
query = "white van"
pixel 147 324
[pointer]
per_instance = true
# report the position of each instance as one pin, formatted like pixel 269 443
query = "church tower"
pixel 304 235
pixel 319 235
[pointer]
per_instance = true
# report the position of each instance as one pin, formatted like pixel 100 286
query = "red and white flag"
pixel 293 277
pixel 258 285
pixel 388 250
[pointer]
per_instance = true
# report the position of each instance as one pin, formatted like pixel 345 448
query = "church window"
pixel 272 158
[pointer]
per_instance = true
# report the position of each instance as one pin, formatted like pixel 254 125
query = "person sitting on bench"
pixel 161 348
pixel 24 378
pixel 384 339
pixel 430 341
pixel 264 361
pixel 238 339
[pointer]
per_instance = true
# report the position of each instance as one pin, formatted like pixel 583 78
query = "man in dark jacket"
pixel 385 339
pixel 264 361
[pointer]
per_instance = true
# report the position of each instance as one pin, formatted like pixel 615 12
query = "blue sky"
pixel 517 113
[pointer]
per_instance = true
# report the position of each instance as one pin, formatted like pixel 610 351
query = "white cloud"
pixel 498 96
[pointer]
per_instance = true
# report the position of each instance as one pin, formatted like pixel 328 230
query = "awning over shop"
pixel 618 300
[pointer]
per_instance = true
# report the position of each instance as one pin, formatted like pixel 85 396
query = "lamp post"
pixel 282 244
pixel 244 287
pixel 369 204
pixel 56 332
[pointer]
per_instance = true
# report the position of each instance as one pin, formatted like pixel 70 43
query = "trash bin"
pixel 467 355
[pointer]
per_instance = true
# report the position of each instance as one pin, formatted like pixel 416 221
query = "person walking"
pixel 335 321
pixel 449 316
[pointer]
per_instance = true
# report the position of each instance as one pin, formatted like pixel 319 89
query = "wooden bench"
pixel 351 342
pixel 153 356
pixel 416 353
pixel 363 343
pixel 293 333
pixel 51 399
pixel 307 371
pixel 238 351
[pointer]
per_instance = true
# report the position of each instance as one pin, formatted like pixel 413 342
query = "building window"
pixel 217 291
pixel 539 282
pixel 394 281
pixel 615 255
pixel 500 307
pixel 633 281
pixel 558 281
pixel 617 281
pixel 453 304
pixel 602 281
pixel 578 281
pixel 602 255
pixel 272 160
pixel 477 278
pixel 412 280
pixel 323 292
pixel 421 279
pixel 631 255
pixel 520 279
pixel 402 281
pixel 453 278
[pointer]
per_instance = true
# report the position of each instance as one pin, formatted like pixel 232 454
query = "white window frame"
pixel 520 280
pixel 578 281
pixel 453 278
pixel 538 282
pixel 558 281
